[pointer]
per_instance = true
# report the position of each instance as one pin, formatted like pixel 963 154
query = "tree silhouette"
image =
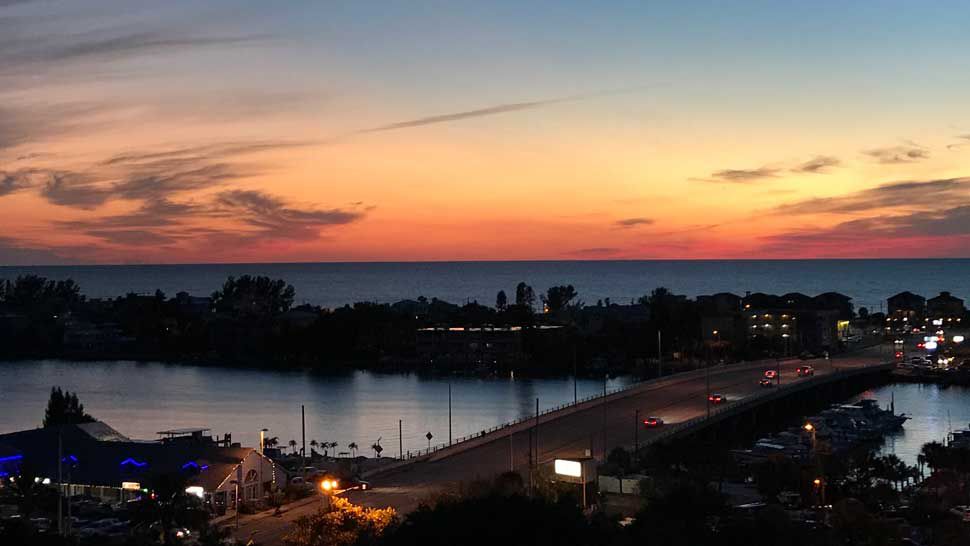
pixel 501 300
pixel 352 446
pixel 525 296
pixel 259 296
pixel 63 408
pixel 558 298
pixel 292 444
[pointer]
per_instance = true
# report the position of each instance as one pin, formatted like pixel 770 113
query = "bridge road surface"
pixel 569 436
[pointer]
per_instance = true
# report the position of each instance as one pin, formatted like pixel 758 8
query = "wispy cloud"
pixel 819 164
pixel 489 111
pixel 275 218
pixel 907 153
pixel 905 195
pixel 965 142
pixel 11 182
pixel 633 222
pixel 943 232
pixel 741 176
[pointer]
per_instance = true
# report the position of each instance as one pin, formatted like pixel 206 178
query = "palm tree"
pixel 271 442
pixel 935 455
pixel 352 446
pixel 333 446
pixel 292 444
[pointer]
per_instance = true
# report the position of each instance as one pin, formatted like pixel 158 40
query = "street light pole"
pixel 636 435
pixel 449 412
pixel 707 378
pixel 660 357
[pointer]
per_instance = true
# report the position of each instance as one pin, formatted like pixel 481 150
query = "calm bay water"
pixel 869 282
pixel 140 399
pixel 933 411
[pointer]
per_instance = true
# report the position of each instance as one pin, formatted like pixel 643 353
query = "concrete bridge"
pixel 594 427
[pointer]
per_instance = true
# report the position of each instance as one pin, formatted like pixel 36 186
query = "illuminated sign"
pixel 930 345
pixel 573 469
pixel 195 490
pixel 131 486
pixel 957 339
pixel 131 461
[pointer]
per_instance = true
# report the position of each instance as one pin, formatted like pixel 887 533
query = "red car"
pixel 653 422
pixel 804 371
pixel 716 398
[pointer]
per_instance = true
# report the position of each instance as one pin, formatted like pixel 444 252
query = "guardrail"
pixel 673 378
pixel 503 429
pixel 758 399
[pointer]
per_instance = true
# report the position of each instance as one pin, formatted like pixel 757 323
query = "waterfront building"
pixel 946 308
pixel 478 346
pixel 98 461
pixel 906 311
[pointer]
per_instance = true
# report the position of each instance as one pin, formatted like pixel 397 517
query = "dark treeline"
pixel 254 321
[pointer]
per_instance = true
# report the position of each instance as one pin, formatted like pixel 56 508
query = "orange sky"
pixel 251 141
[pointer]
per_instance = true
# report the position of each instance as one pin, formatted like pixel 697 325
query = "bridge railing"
pixel 410 456
pixel 755 400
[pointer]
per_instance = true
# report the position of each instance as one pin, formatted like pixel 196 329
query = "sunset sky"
pixel 227 131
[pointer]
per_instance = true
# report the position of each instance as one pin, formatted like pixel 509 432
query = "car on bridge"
pixel 653 422
pixel 716 398
pixel 804 371
pixel 765 382
pixel 771 374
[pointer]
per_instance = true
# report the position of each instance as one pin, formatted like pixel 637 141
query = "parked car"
pixel 356 483
pixel 804 371
pixel 653 422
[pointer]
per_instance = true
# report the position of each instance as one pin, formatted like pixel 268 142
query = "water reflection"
pixel 140 399
pixel 934 411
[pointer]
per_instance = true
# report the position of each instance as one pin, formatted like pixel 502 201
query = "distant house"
pixel 193 305
pixel 100 462
pixel 794 321
pixel 945 307
pixel 86 338
pixel 479 346
pixel 907 304
pixel 906 311
pixel 722 303
pixel 836 301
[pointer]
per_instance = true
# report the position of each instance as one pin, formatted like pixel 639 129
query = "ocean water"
pixel 868 282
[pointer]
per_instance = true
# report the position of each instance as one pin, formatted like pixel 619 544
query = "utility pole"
pixel 303 425
pixel 636 435
pixel 575 391
pixel 400 439
pixel 449 412
pixel 537 433
pixel 708 380
pixel 660 356
pixel 604 416
pixel 60 488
